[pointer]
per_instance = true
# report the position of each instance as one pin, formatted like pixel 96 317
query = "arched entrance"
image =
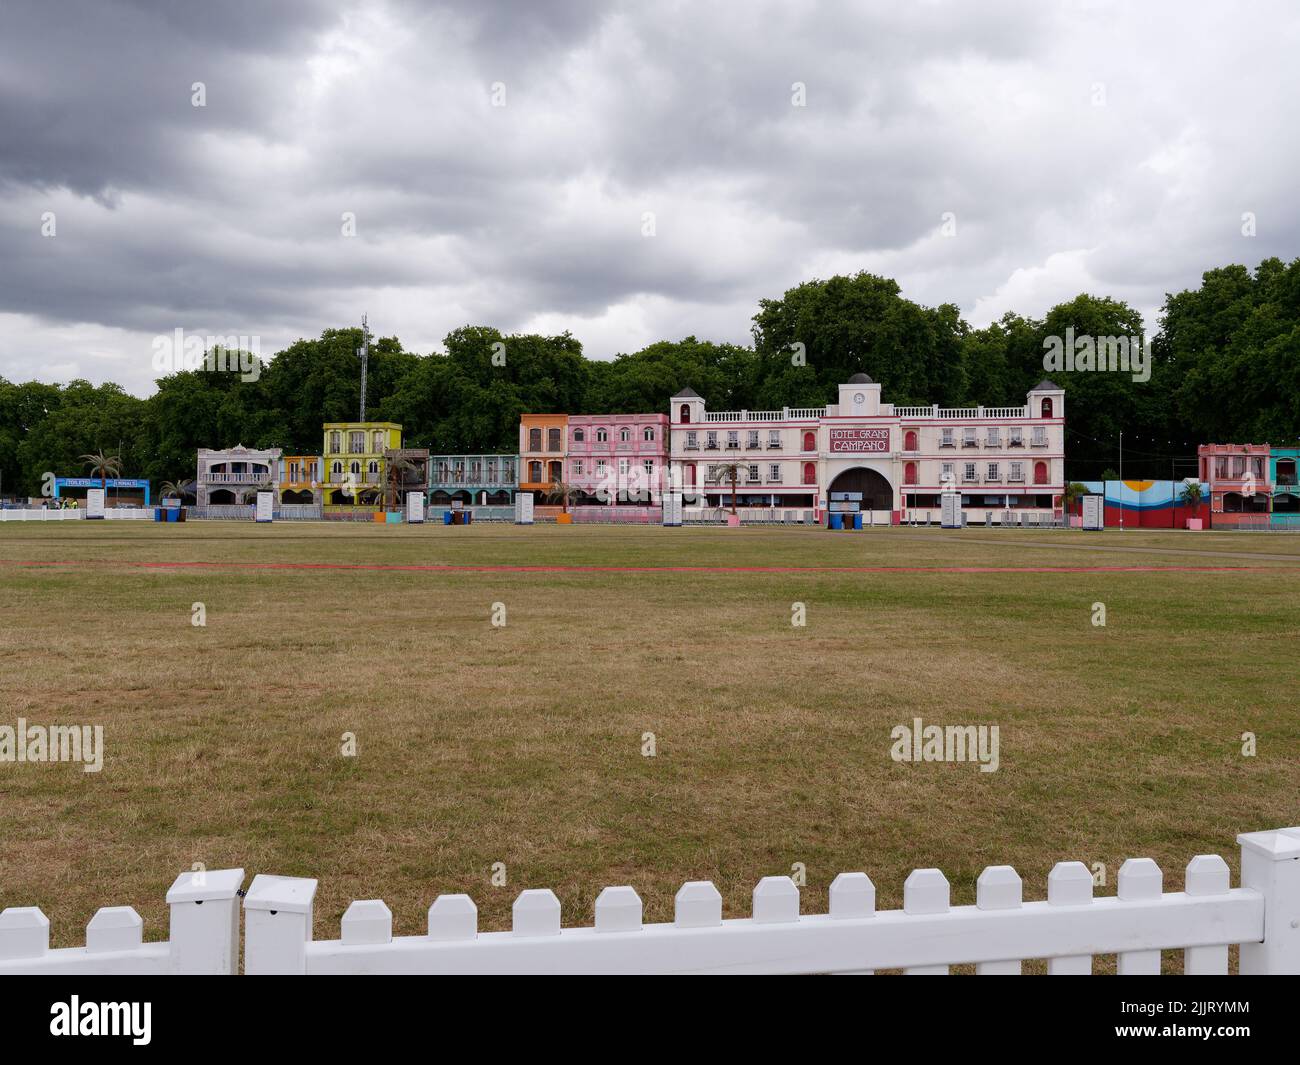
pixel 876 491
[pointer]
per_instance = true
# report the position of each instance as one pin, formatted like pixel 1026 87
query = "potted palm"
pixel 565 493
pixel 1192 494
pixel 396 467
pixel 730 471
pixel 1070 496
pixel 174 490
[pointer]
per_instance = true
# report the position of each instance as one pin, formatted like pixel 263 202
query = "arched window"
pixel 1040 473
pixel 374 466
pixel 1047 407
pixel 338 469
pixel 601 436
pixel 686 413
pixel 535 472
pixel 810 473
pixel 810 441
pixel 355 467
pixel 625 434
pixel 579 436
pixel 909 473
pixel 649 435
pixel 909 441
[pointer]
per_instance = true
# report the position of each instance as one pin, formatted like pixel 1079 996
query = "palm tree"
pixel 176 489
pixel 730 471
pixel 1074 491
pixel 1192 494
pixel 103 466
pixel 563 491
pixel 248 494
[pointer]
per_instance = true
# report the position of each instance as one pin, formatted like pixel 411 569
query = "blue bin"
pixel 857 521
pixel 446 517
pixel 158 514
pixel 837 521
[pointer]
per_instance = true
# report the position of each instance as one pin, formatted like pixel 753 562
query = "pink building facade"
pixel 617 459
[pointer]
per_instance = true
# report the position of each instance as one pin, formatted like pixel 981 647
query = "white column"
pixel 204 935
pixel 277 911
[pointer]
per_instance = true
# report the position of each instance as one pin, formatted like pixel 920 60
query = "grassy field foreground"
pixel 523 743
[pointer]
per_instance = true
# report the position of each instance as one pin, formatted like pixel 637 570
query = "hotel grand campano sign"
pixel 860 441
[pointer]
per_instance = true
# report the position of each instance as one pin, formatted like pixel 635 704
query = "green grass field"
pixel 522 744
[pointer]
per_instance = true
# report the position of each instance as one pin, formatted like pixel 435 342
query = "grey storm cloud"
pixel 1096 146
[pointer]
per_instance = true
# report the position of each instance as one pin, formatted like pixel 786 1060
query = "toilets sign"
pixel 859 441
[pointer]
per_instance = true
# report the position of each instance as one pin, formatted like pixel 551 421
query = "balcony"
pixel 1015 441
pixel 774 446
pixel 711 447
pixel 235 478
pixel 1038 442
pixel 948 443
pixel 692 447
pixel 993 442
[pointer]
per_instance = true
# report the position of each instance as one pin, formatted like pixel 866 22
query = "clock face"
pixel 859 398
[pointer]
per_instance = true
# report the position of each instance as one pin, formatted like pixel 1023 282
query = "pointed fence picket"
pixel 203 939
pixel 925 937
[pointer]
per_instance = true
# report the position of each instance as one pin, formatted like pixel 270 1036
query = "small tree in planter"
pixel 1074 491
pixel 730 471
pixel 1191 495
pixel 396 467
pixel 176 490
pixel 564 492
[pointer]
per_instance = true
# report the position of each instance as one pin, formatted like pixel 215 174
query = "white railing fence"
pixel 925 937
pixel 203 939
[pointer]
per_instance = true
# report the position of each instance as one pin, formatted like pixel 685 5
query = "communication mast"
pixel 364 354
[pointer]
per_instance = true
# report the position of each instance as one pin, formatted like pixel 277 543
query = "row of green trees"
pixel 1225 367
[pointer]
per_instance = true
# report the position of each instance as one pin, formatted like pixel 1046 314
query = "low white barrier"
pixel 925 937
pixel 203 939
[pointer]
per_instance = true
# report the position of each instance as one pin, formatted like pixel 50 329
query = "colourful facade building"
pixel 300 479
pixel 617 458
pixel 542 439
pixel 487 480
pixel 232 475
pixel 1251 485
pixel 353 461
pixel 895 461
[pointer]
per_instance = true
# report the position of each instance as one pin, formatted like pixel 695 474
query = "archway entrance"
pixel 876 491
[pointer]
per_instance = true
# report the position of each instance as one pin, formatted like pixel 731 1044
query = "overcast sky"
pixel 1087 146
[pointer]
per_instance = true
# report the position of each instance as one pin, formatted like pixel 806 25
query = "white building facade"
pixel 895 461
pixel 233 475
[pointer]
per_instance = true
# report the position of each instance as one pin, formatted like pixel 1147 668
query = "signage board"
pixel 524 508
pixel 1094 512
pixel 95 503
pixel 950 512
pixel 860 440
pixel 672 508
pixel 857 496
pixel 415 508
pixel 265 506
pixel 845 506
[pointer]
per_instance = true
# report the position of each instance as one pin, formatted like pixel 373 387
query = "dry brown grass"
pixel 522 744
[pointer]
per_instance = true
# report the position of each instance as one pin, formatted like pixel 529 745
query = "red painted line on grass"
pixel 504 568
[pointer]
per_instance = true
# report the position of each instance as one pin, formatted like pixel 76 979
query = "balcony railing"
pixel 235 478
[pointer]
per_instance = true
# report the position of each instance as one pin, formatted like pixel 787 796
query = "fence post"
pixel 277 925
pixel 204 932
pixel 1270 864
pixel 24 933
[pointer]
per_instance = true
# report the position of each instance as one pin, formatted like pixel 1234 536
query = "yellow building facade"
pixel 352 467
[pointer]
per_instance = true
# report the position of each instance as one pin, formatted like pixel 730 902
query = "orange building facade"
pixel 541 451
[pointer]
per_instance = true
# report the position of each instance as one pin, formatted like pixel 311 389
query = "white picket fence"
pixel 203 938
pixel 927 936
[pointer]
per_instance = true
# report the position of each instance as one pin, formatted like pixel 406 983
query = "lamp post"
pixel 1121 480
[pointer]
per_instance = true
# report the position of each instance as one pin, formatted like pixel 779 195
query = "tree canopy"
pixel 1225 368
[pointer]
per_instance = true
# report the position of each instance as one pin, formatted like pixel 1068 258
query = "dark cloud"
pixel 1100 145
